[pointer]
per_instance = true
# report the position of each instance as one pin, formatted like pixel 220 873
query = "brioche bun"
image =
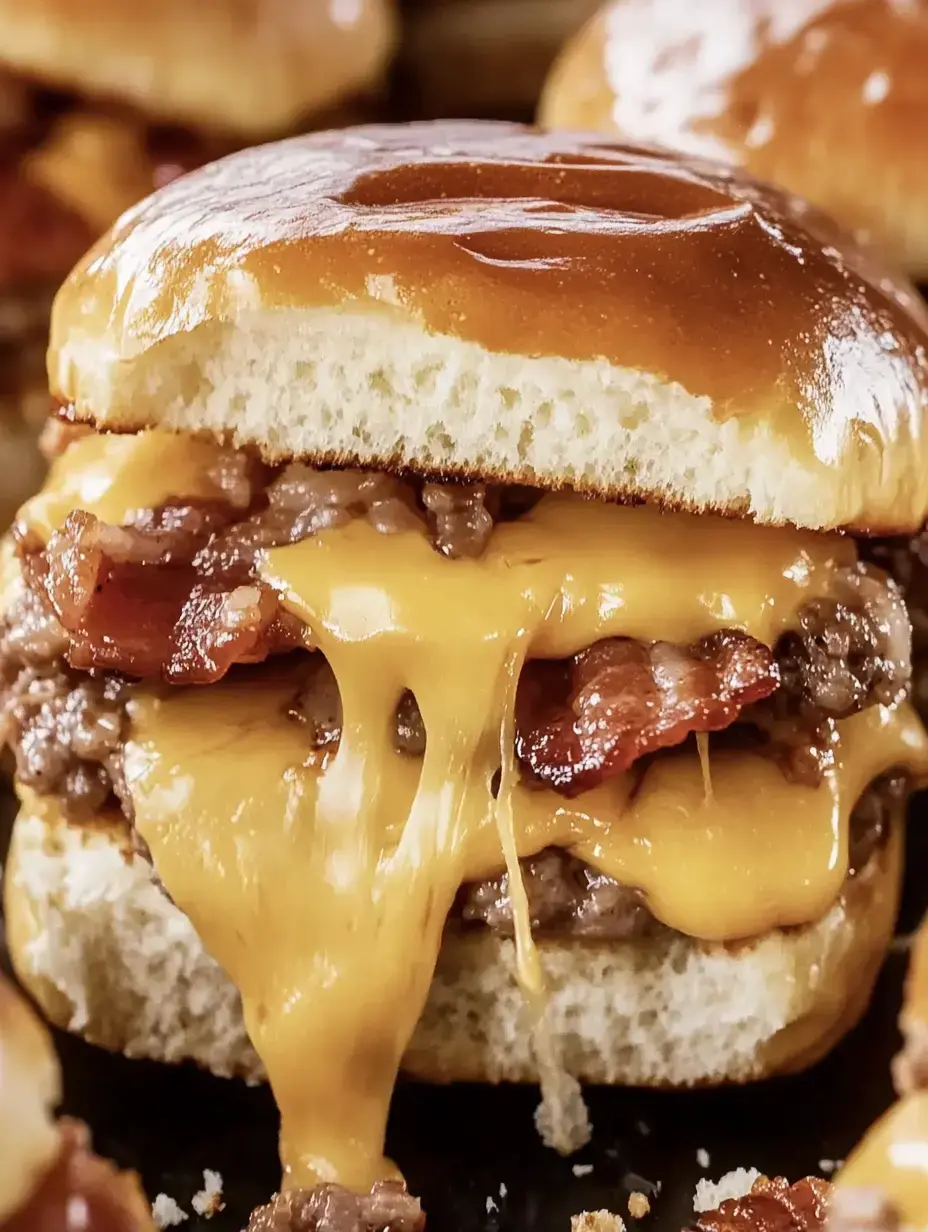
pixel 248 68
pixel 107 955
pixel 540 308
pixel 29 1091
pixel 826 99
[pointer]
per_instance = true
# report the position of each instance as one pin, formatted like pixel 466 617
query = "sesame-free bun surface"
pixel 108 956
pixel 825 97
pixel 246 67
pixel 487 299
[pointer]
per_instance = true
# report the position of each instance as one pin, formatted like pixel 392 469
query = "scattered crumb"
pixel 596 1221
pixel 208 1202
pixel 502 1189
pixel 830 1165
pixel 702 1157
pixel 632 1181
pixel 582 1169
pixel 735 1184
pixel 643 1128
pixel 491 1205
pixel 638 1205
pixel 166 1213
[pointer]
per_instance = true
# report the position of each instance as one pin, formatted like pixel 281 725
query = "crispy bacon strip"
pixel 772 1206
pixel 585 720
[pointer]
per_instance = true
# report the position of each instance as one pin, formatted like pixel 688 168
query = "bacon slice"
pixel 772 1205
pixel 585 720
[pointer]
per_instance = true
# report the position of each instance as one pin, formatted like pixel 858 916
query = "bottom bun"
pixel 108 956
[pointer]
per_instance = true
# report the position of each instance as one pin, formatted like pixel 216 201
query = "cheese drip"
pixel 323 887
pixel 322 884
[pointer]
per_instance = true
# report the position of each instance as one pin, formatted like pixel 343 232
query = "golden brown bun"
pixel 29 1091
pixel 107 955
pixel 544 308
pixel 484 57
pixel 247 67
pixel 828 99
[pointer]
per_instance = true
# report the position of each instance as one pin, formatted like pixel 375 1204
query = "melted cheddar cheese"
pixel 893 1159
pixel 322 884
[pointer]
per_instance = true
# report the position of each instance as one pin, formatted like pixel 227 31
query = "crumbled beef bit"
pixel 83 1192
pixel 587 719
pixel 564 896
pixel 410 729
pixel 906 561
pixel 861 1210
pixel 459 520
pixel 67 735
pixel 331 1208
pixel 851 651
pixel 772 1206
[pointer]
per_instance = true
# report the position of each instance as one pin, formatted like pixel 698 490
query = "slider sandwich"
pixel 884 1184
pixel 102 101
pixel 823 97
pixel 50 1180
pixel 442 640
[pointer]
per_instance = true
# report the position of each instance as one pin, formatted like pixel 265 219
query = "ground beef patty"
pixel 332 1208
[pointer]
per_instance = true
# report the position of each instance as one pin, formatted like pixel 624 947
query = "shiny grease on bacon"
pixel 772 1205
pixel 174 595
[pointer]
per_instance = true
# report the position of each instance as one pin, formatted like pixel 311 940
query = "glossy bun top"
pixel 651 298
pixel 828 98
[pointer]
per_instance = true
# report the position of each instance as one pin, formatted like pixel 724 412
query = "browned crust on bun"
pixel 826 99
pixel 490 299
pixel 251 69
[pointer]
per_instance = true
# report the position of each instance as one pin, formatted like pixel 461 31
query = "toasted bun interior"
pixel 107 955
pixel 540 308
pixel 253 68
pixel 822 98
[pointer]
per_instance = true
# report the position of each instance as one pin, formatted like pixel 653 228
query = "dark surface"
pixel 459 1145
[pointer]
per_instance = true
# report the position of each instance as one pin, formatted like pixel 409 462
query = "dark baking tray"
pixel 471 1152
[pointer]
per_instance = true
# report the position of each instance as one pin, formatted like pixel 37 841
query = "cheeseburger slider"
pixel 50 1181
pixel 828 98
pixel 101 101
pixel 884 1184
pixel 442 639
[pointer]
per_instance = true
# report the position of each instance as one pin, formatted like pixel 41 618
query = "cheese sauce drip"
pixel 322 884
pixel 893 1159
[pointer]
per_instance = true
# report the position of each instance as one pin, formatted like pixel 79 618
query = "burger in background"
pixel 826 98
pixel 50 1180
pixel 481 58
pixel 884 1184
pixel 100 102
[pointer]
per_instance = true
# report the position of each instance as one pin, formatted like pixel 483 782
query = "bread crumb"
pixel 830 1165
pixel 491 1205
pixel 166 1213
pixel 643 1128
pixel 208 1202
pixel 638 1205
pixel 502 1189
pixel 702 1157
pixel 596 1221
pixel 582 1169
pixel 734 1184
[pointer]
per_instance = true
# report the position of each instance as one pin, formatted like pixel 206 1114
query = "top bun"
pixel 823 97
pixel 488 300
pixel 242 67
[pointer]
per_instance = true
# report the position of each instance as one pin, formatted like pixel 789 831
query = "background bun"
pixel 249 68
pixel 487 299
pixel 828 99
pixel 29 1092
pixel 108 956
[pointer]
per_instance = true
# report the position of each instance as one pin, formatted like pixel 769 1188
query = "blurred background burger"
pixel 101 102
